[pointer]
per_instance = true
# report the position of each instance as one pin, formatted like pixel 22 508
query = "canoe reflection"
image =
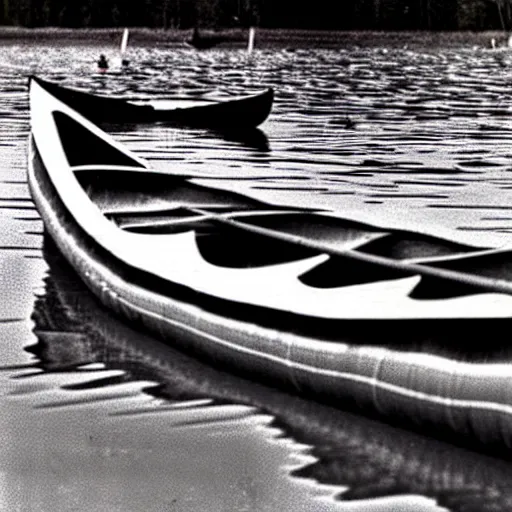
pixel 250 138
pixel 371 458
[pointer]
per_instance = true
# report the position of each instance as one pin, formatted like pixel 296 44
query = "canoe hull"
pixel 229 115
pixel 332 436
pixel 395 385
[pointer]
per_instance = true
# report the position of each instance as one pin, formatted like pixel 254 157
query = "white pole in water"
pixel 250 45
pixel 124 42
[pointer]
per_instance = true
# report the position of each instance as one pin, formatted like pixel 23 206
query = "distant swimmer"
pixel 102 63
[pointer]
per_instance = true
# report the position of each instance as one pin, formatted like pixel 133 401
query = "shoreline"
pixel 265 37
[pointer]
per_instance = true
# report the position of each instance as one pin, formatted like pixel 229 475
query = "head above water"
pixel 102 62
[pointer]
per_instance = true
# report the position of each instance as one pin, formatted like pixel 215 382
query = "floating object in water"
pixel 346 122
pixel 102 64
pixel 235 114
pixel 290 295
pixel 200 42
pixel 349 123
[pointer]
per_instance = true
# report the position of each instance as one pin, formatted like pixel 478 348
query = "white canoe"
pixel 298 297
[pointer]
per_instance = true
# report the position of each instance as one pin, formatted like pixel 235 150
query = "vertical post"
pixel 124 41
pixel 250 44
pixel 124 44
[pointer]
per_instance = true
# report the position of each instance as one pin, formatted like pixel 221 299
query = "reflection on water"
pixel 251 138
pixel 93 402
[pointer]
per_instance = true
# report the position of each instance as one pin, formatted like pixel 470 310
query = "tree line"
pixel 320 14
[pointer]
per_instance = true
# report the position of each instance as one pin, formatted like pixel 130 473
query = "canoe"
pixel 234 114
pixel 202 42
pixel 300 298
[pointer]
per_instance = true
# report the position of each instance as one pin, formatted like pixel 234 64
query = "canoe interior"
pixel 158 204
pixel 142 201
pixel 250 111
pixel 96 107
pixel 82 147
pixel 353 264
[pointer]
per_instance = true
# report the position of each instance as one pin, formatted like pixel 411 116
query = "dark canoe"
pixel 239 113
pixel 202 42
pixel 295 297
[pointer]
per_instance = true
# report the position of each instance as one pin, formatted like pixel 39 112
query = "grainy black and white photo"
pixel 256 256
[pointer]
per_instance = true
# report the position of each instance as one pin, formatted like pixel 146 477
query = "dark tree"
pixel 319 14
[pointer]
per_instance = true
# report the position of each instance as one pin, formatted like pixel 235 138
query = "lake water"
pixel 97 416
